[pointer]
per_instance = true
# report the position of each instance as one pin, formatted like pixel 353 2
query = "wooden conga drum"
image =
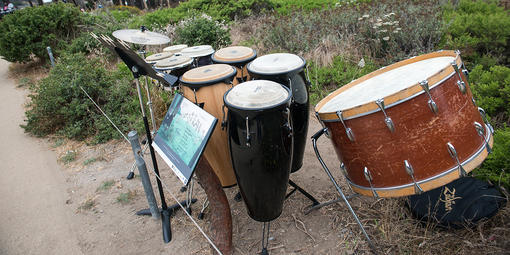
pixel 289 70
pixel 206 86
pixel 407 128
pixel 201 54
pixel 152 59
pixel 260 140
pixel 237 56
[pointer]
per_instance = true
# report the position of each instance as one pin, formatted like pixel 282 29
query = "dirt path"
pixel 34 217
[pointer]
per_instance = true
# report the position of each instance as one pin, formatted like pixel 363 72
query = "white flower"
pixel 359 19
pixel 398 28
pixel 366 16
pixel 383 31
pixel 387 23
pixel 386 38
pixel 379 20
pixel 378 24
pixel 395 32
pixel 361 63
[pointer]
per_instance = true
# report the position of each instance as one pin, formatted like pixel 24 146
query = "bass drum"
pixel 206 86
pixel 237 56
pixel 260 141
pixel 288 69
pixel 407 128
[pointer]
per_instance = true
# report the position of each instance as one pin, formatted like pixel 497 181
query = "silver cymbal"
pixel 138 36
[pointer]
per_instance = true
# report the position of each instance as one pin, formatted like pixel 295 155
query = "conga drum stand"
pixel 315 137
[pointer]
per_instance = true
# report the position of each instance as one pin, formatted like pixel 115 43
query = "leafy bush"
pixel 496 167
pixel 30 30
pixel 59 105
pixel 479 29
pixel 329 78
pixel 202 30
pixel 492 92
pixel 286 7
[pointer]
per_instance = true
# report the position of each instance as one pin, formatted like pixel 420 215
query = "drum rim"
pixel 301 67
pixel 235 61
pixel 209 82
pixel 441 178
pixel 174 67
pixel 230 106
pixel 392 99
pixel 156 60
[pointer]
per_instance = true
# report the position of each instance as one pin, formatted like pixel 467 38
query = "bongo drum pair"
pixel 407 128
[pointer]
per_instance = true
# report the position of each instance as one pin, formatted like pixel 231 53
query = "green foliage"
pixel 496 167
pixel 329 78
pixel 124 198
pixel 491 89
pixel 218 9
pixel 202 30
pixel 60 106
pixel 479 29
pixel 106 185
pixel 123 8
pixel 286 7
pixel 69 157
pixel 30 30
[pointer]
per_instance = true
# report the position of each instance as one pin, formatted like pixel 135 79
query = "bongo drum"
pixel 260 141
pixel 175 48
pixel 176 65
pixel 206 86
pixel 201 54
pixel 237 56
pixel 288 69
pixel 152 59
pixel 407 128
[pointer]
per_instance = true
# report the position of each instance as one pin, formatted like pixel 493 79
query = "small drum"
pixel 175 65
pixel 260 141
pixel 201 54
pixel 288 69
pixel 175 48
pixel 237 56
pixel 407 128
pixel 206 86
pixel 152 59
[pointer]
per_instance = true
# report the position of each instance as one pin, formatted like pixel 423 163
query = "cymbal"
pixel 138 36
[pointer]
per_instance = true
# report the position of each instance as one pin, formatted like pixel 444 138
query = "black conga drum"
pixel 201 54
pixel 289 70
pixel 260 142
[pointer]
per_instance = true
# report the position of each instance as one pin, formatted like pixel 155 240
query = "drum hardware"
pixel 410 171
pixel 485 120
pixel 265 238
pixel 474 101
pixel 460 82
pixel 348 130
pixel 322 124
pixel 315 137
pixel 432 105
pixel 295 188
pixel 387 120
pixel 248 137
pixel 368 177
pixel 223 119
pixel 481 132
pixel 453 154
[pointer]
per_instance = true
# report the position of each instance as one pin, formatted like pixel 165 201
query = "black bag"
pixel 460 203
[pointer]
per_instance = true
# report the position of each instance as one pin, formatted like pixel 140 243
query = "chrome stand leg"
pixel 339 190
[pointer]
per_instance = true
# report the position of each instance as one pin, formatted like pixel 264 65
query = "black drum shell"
pixel 176 71
pixel 262 169
pixel 203 61
pixel 300 108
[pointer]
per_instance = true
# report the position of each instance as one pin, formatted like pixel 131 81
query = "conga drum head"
pixel 175 48
pixel 277 63
pixel 198 51
pixel 234 55
pixel 256 95
pixel 407 128
pixel 158 56
pixel 209 74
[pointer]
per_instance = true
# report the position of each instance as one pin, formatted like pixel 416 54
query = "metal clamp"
pixel 223 120
pixel 348 130
pixel 410 172
pixel 288 125
pixel 248 137
pixel 369 178
pixel 387 120
pixel 453 154
pixel 460 82
pixel 432 105
pixel 481 132
pixel 322 124
pixel 484 118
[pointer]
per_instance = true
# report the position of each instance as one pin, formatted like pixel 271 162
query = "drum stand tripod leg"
pixel 302 191
pixel 344 198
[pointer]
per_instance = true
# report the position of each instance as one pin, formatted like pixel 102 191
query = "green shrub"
pixel 477 28
pixel 202 30
pixel 59 105
pixel 492 92
pixel 329 78
pixel 496 167
pixel 286 7
pixel 30 30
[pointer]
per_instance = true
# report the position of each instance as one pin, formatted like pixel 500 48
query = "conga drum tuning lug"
pixel 387 120
pixel 460 83
pixel 432 105
pixel 462 86
pixel 481 132
pixel 484 118
pixel 369 178
pixel 348 130
pixel 410 171
pixel 453 154
pixel 248 137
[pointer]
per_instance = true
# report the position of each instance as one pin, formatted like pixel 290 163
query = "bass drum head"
pixel 208 74
pixel 175 48
pixel 234 55
pixel 256 95
pixel 277 63
pixel 198 51
pixel 158 56
pixel 173 62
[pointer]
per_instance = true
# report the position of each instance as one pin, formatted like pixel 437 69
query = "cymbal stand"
pixel 339 190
